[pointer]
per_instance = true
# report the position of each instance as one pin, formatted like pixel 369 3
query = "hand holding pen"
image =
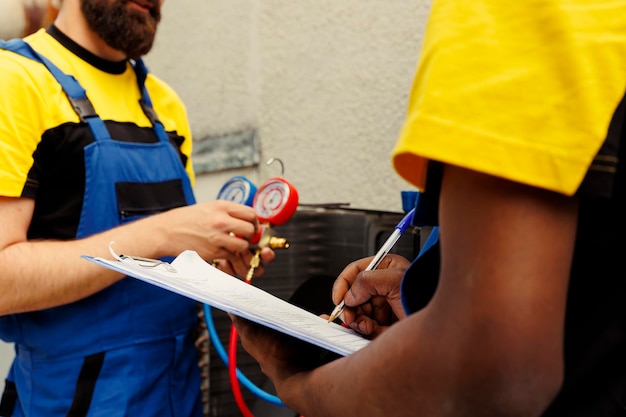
pixel 380 255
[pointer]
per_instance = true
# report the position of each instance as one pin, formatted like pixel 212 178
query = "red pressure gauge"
pixel 275 201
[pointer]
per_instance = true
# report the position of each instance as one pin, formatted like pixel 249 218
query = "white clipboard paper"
pixel 191 276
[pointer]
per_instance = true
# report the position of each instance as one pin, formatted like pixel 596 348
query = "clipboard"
pixel 189 275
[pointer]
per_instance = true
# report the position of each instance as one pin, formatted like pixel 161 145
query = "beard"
pixel 121 27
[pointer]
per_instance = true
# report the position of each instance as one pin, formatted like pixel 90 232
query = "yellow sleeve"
pixel 521 90
pixel 20 131
pixel 173 114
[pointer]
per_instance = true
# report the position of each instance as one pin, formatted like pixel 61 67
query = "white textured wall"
pixel 204 50
pixel 324 82
pixel 6 357
pixel 12 19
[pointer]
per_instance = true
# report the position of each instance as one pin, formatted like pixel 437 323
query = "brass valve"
pixel 267 239
pixel 278 243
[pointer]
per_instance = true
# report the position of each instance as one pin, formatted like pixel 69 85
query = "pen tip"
pixel 338 308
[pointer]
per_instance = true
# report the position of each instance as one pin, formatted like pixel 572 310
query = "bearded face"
pixel 124 25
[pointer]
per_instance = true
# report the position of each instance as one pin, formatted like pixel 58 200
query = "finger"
pixel 230 244
pixel 241 229
pixel 247 223
pixel 244 330
pixel 224 266
pixel 377 310
pixel 267 255
pixel 259 271
pixel 348 315
pixel 379 282
pixel 238 211
pixel 367 327
pixel 235 218
pixel 244 327
pixel 255 339
pixel 339 290
pixel 236 265
pixel 381 311
pixel 394 261
pixel 346 278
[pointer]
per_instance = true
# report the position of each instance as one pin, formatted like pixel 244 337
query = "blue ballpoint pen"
pixel 384 250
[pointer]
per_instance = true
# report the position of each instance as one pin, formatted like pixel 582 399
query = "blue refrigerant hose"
pixel 208 318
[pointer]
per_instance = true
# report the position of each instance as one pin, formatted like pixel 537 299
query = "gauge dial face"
pixel 276 201
pixel 238 190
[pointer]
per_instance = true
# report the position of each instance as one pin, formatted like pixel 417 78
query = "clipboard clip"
pixel 142 262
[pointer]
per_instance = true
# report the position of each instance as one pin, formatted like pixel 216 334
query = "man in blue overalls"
pixel 97 150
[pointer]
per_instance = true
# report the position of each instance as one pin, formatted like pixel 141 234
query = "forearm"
pixel 46 273
pixel 490 342
pixel 370 382
pixel 415 369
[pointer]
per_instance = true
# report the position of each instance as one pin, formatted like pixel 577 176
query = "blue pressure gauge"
pixel 238 189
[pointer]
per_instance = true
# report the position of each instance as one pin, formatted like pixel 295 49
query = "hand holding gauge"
pixel 274 202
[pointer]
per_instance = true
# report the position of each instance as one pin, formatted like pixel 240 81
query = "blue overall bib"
pixel 127 350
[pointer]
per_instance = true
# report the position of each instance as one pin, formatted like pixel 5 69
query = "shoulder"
pixel 157 85
pixel 22 79
pixel 168 104
pixel 163 94
pixel 16 67
pixel 13 64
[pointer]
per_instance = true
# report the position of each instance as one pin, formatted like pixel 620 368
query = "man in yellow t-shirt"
pixel 515 132
pixel 95 149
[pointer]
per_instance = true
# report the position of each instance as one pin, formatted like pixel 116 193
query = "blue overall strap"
pixel 74 91
pixel 146 103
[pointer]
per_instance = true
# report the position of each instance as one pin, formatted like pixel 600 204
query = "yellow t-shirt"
pixel 42 141
pixel 520 90
pixel 33 106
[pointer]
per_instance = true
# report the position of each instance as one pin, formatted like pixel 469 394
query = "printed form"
pixel 191 276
